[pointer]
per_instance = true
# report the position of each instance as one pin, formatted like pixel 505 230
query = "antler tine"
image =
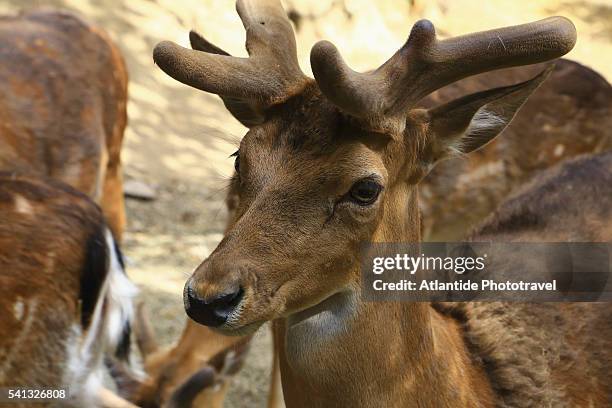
pixel 247 112
pixel 270 75
pixel 268 29
pixel 425 64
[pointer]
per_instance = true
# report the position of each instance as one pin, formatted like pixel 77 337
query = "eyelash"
pixel 236 154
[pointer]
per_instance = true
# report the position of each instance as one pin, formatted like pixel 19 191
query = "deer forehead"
pixel 336 165
pixel 310 138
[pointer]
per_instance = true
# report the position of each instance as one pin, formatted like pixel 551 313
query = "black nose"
pixel 214 311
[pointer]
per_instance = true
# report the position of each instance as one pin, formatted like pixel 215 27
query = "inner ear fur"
pixel 470 122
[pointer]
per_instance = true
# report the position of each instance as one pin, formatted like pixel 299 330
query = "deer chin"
pixel 255 310
pixel 229 329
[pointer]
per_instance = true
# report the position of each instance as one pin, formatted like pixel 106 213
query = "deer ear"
pixel 245 111
pixel 468 123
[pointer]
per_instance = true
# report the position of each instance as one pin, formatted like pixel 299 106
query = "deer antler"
pixel 425 64
pixel 269 76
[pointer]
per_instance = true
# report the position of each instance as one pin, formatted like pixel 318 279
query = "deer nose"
pixel 214 310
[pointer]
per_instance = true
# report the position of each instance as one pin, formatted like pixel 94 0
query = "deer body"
pixel 63 105
pixel 65 302
pixel 568 116
pixel 577 191
pixel 63 115
pixel 65 295
pixel 436 369
pixel 547 354
pixel 331 163
pixel 537 354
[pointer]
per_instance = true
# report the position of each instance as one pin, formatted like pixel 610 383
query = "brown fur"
pixel 534 210
pixel 569 115
pixel 63 94
pixel 62 117
pixel 541 355
pixel 291 252
pixel 265 222
pixel 42 277
pixel 548 354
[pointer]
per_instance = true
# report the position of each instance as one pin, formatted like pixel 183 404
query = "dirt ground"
pixel 178 139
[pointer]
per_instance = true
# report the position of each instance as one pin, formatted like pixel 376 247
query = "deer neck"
pixel 348 352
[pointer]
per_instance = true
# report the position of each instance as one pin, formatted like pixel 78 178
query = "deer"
pixel 73 309
pixel 61 127
pixel 574 100
pixel 574 191
pixel 58 118
pixel 333 162
pixel 570 191
pixel 66 121
pixel 65 302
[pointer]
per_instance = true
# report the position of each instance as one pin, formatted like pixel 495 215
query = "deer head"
pixel 332 162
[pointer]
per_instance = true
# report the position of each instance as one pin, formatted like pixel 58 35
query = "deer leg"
pixel 112 203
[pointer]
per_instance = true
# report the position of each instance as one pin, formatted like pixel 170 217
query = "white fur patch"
pixel 18 309
pixel 114 308
pixel 120 295
pixel 79 365
pixel 483 123
pixel 29 312
pixel 23 206
pixel 309 331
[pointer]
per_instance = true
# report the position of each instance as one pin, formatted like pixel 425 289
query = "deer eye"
pixel 236 154
pixel 365 192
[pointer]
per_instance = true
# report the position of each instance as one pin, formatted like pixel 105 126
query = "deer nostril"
pixel 230 299
pixel 213 311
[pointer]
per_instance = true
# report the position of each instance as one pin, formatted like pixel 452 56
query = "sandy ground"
pixel 178 139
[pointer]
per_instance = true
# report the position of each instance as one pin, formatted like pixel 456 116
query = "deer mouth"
pixel 240 330
pixel 234 325
pixel 257 307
